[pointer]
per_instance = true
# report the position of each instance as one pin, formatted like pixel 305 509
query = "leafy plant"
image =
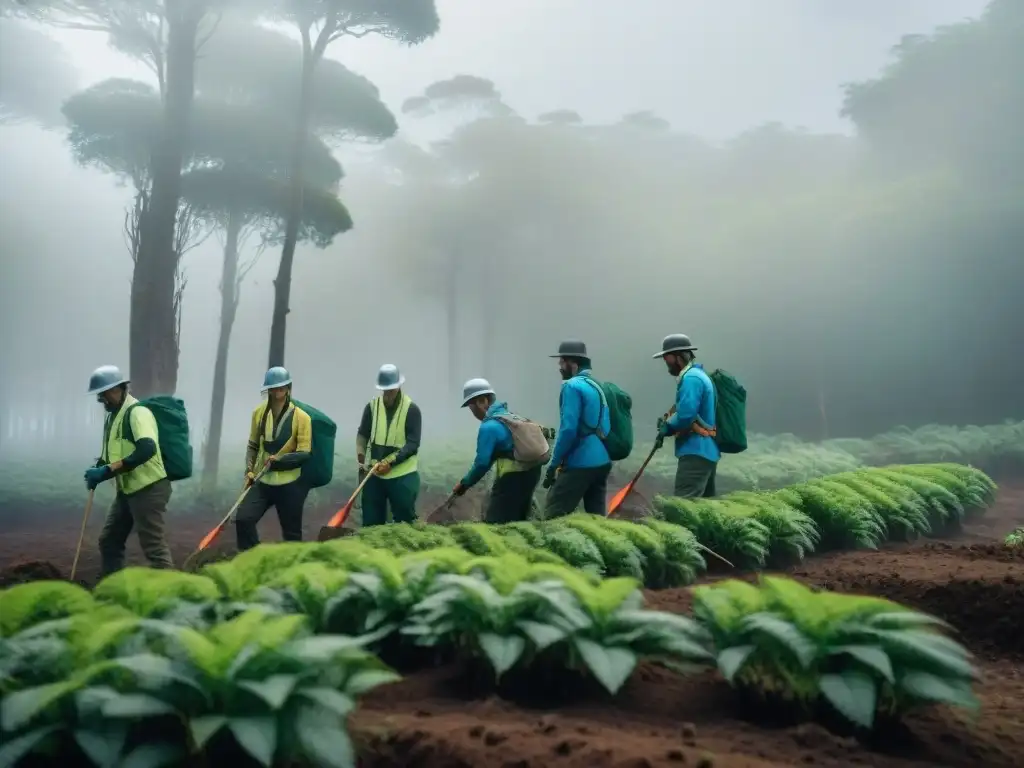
pixel 25 605
pixel 151 593
pixel 256 684
pixel 511 613
pixel 722 525
pixel 863 655
pixel 1015 539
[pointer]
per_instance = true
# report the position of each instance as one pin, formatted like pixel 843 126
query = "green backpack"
pixel 619 440
pixel 173 434
pixel 730 412
pixel 318 471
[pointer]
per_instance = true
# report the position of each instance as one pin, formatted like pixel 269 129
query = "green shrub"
pixel 865 656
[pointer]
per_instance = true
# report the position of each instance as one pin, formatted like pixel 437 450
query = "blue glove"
pixel 663 429
pixel 96 475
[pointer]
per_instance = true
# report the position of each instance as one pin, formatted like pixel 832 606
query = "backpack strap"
pixel 263 423
pixel 127 433
pixel 585 429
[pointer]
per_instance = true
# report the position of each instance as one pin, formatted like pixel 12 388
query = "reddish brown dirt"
pixel 664 719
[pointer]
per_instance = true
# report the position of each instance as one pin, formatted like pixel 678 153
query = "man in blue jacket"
pixel 516 478
pixel 579 462
pixel 691 420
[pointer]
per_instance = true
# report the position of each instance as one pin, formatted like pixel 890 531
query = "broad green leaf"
pixel 12 751
pixel 853 694
pixel 322 648
pixel 154 756
pixel 502 650
pixel 785 633
pixel 257 736
pixel 366 679
pixel 103 746
pixel 922 685
pixel 906 620
pixel 869 656
pixel 204 728
pixel 731 660
pixel 136 705
pixel 17 709
pixel 324 742
pixel 275 690
pixel 89 701
pixel 328 698
pixel 151 668
pixel 611 666
pixel 541 635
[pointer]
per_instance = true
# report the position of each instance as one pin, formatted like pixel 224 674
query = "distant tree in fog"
pixel 166 35
pixel 237 163
pixel 319 24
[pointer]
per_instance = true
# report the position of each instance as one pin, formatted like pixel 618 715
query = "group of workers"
pixel 574 471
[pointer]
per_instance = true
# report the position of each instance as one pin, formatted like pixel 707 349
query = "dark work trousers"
pixel 695 477
pixel 512 496
pixel 572 486
pixel 287 499
pixel 400 492
pixel 144 510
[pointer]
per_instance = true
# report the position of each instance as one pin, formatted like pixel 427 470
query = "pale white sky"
pixel 714 67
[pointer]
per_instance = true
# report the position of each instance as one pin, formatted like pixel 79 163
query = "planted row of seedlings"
pixel 265 655
pixel 749 529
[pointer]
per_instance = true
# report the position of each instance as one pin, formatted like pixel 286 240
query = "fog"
pixel 594 170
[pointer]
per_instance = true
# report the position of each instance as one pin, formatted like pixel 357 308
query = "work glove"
pixel 459 489
pixel 549 479
pixel 96 475
pixel 663 429
pixel 383 468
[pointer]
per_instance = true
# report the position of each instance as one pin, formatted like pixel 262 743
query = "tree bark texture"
pixel 283 282
pixel 153 345
pixel 228 309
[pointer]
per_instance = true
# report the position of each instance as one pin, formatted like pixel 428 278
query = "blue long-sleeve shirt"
pixel 581 407
pixel 695 399
pixel 493 439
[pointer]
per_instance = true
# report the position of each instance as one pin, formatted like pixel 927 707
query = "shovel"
pixel 81 534
pixel 211 537
pixel 437 516
pixel 620 497
pixel 334 526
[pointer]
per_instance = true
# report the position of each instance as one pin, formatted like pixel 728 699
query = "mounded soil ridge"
pixel 660 718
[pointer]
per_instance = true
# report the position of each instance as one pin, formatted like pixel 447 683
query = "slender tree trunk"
pixel 283 282
pixel 452 316
pixel 228 309
pixel 153 345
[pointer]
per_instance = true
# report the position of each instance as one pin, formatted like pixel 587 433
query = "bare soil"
pixel 429 720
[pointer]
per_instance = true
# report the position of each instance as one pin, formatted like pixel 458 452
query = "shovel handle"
pixel 342 514
pixel 81 534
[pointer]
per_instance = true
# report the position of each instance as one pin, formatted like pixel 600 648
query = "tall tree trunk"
pixel 228 309
pixel 283 282
pixel 452 316
pixel 153 345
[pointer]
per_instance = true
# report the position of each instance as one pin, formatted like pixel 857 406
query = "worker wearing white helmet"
pixel 517 448
pixel 131 455
pixel 388 441
pixel 280 443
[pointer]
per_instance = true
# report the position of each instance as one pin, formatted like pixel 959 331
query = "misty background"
pixel 587 169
